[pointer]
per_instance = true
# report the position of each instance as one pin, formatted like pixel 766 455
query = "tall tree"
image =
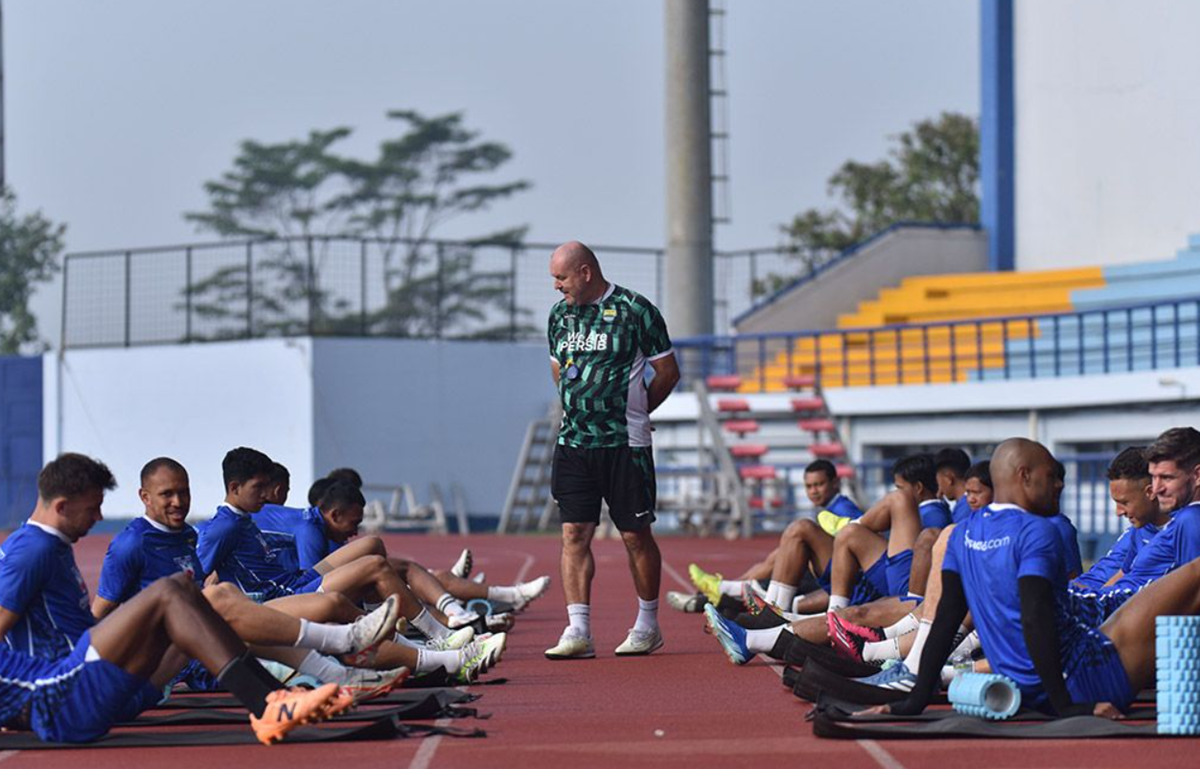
pixel 931 174
pixel 432 172
pixel 29 249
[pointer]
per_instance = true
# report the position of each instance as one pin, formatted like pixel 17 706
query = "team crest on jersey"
pixel 578 341
pixel 609 314
pixel 185 565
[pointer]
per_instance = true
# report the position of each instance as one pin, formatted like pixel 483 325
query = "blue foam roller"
pixel 985 695
pixel 480 606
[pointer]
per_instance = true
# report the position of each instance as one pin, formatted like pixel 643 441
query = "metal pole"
pixel 187 295
pixel 3 175
pixel 689 267
pixel 128 298
pixel 249 290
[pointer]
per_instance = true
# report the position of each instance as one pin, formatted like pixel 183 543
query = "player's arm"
pixel 554 370
pixel 215 543
pixel 102 607
pixel 23 573
pixel 1041 639
pixel 312 546
pixel 119 576
pixel 666 376
pixel 7 620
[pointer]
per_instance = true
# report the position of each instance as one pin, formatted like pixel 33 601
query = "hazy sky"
pixel 117 112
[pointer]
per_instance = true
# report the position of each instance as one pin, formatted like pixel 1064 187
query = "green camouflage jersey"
pixel 602 350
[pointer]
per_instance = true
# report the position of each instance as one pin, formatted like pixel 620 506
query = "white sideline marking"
pixel 687 584
pixel 7 754
pixel 424 757
pixel 524 570
pixel 881 756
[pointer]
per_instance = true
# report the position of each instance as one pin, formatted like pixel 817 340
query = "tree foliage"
pixel 931 174
pixel 300 194
pixel 29 249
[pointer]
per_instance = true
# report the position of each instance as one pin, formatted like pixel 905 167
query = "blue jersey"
pixel 844 507
pixel 1070 542
pixel 40 581
pixel 991 552
pixel 143 552
pixel 1119 557
pixel 299 535
pixel 935 513
pixel 962 510
pixel 1177 543
pixel 232 545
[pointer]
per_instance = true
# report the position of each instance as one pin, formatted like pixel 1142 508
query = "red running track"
pixel 609 712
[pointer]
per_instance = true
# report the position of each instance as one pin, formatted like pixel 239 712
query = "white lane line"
pixel 882 757
pixel 686 584
pixel 7 754
pixel 424 757
pixel 524 570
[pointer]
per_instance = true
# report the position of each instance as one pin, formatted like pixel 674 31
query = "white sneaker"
pixel 455 621
pixel 462 567
pixel 363 684
pixel 479 578
pixel 370 629
pixel 476 657
pixel 528 591
pixel 572 646
pixel 640 642
pixel 456 640
pixel 500 623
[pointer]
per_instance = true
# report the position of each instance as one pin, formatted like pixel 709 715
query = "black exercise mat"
pixel 801 651
pixel 427 709
pixel 382 729
pixel 951 725
pixel 843 710
pixel 445 696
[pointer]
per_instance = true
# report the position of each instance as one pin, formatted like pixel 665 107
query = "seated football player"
pixel 1009 569
pixel 804 540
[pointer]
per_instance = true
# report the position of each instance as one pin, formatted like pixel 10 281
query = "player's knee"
pixel 373 545
pixel 222 594
pixel 796 532
pixel 375 564
pixel 576 537
pixel 637 542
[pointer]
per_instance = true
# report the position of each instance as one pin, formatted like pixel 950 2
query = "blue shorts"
pixel 197 678
pixel 899 568
pixel 91 695
pixel 873 584
pixel 297 583
pixel 826 578
pixel 1094 672
pixel 1092 607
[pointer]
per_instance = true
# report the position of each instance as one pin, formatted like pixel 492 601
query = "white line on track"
pixel 7 754
pixel 524 570
pixel 687 585
pixel 881 756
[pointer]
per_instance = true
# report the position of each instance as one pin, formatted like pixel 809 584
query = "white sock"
pixel 503 594
pixel 913 660
pixel 579 615
pixel 780 594
pixel 327 670
pixel 331 639
pixel 429 660
pixel 969 643
pixel 429 626
pixel 838 602
pixel 730 587
pixel 762 641
pixel 450 606
pixel 647 618
pixel 881 650
pixel 907 624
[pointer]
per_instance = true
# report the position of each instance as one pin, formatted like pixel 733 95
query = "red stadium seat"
pixel 808 404
pixel 757 472
pixel 817 425
pixel 748 450
pixel 724 383
pixel 846 471
pixel 799 382
pixel 827 450
pixel 733 404
pixel 741 426
pixel 758 503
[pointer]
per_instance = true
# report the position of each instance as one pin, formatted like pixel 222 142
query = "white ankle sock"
pixel 730 587
pixel 888 649
pixel 331 639
pixel 838 602
pixel 503 593
pixel 913 660
pixel 429 660
pixel 579 615
pixel 781 594
pixel 450 606
pixel 325 669
pixel 907 624
pixel 647 617
pixel 762 641
pixel 426 623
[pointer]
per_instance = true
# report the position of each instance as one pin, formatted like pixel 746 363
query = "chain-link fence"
pixel 354 287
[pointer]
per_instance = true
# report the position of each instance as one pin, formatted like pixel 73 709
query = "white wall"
pixel 1107 120
pixel 189 402
pixel 421 412
pixel 401 411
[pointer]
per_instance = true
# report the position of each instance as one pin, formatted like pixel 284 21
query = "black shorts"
pixel 623 476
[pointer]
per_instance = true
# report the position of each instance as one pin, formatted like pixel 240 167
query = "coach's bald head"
pixel 1025 474
pixel 576 272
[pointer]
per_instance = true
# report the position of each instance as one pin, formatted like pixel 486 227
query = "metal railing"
pixel 340 286
pixel 1137 337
